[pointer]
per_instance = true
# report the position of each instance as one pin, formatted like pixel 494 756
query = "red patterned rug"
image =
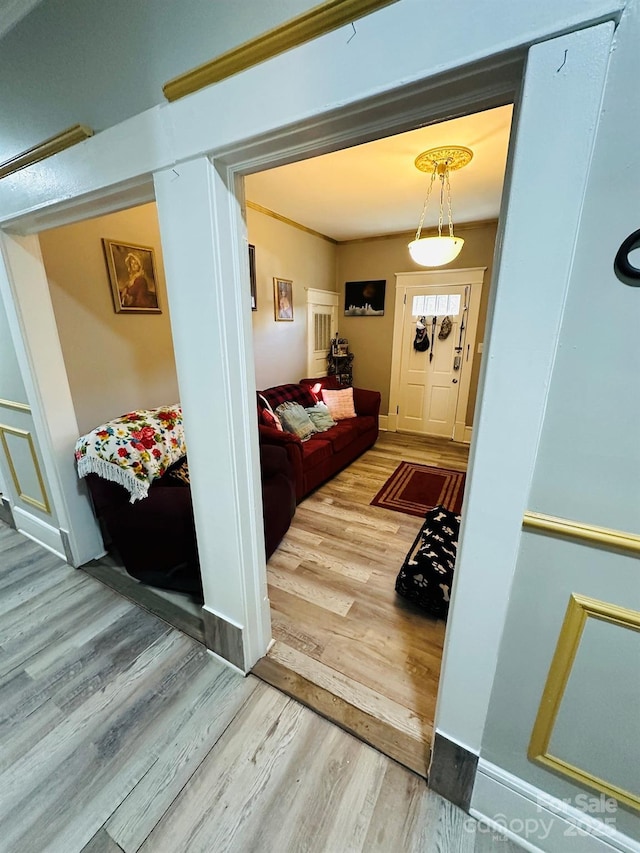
pixel 415 489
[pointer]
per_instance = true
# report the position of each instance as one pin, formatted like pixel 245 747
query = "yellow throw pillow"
pixel 339 403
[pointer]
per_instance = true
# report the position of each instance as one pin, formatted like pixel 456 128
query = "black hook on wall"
pixel 622 266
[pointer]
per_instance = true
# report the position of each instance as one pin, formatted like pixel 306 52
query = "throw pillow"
pixel 295 420
pixel 268 416
pixel 340 403
pixel 270 419
pixel 320 417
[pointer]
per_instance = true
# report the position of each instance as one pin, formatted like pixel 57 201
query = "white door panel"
pixel 433 410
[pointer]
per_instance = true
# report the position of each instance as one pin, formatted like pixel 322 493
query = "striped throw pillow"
pixel 339 403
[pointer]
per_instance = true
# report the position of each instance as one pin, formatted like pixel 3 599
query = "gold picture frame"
pixel 132 276
pixel 283 299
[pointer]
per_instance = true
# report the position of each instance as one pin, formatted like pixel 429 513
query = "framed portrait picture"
pixel 283 298
pixel 252 277
pixel 132 275
pixel 364 298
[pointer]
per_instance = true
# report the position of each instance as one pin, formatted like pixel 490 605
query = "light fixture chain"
pixel 449 202
pixel 441 214
pixel 426 202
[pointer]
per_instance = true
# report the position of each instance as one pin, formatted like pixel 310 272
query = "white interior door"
pixel 430 380
pixel 322 325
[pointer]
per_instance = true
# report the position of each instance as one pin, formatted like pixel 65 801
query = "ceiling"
pixel 375 189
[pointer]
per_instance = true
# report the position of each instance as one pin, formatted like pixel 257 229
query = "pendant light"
pixel 437 251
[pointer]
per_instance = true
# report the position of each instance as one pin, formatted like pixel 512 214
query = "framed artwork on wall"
pixel 252 277
pixel 364 298
pixel 283 298
pixel 132 275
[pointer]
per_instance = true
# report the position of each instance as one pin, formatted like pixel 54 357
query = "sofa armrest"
pixel 292 445
pixel 366 402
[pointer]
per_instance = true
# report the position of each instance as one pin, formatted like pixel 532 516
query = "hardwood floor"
pixel 119 733
pixel 341 632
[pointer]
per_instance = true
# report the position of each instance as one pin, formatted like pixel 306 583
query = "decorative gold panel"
pixel 18 407
pixel 604 537
pixel 316 22
pixel 51 146
pixel 21 433
pixel 580 609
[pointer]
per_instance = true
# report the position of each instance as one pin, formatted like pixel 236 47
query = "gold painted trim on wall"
pixel 22 433
pixel 580 608
pixel 57 143
pixel 316 22
pixel 603 536
pixel 265 210
pixel 11 404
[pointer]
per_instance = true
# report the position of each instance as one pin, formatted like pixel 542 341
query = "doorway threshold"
pixel 324 691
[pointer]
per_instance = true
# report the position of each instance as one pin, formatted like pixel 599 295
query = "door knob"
pixel 454 381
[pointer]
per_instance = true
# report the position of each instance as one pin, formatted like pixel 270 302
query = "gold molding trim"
pixel 267 212
pixel 579 609
pixel 309 25
pixel 11 404
pixel 22 433
pixel 53 145
pixel 602 536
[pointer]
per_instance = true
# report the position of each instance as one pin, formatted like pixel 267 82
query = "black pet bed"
pixel 427 572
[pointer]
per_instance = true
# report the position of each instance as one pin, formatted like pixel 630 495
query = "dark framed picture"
pixel 364 298
pixel 132 275
pixel 252 277
pixel 283 298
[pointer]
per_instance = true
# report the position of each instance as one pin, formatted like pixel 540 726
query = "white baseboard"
pixel 539 822
pixel 383 422
pixel 41 532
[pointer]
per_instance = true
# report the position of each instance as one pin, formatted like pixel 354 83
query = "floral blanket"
pixel 134 449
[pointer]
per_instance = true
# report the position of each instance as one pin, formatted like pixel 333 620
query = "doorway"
pixel 344 641
pixel 118 361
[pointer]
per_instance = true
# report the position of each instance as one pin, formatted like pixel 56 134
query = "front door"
pixel 430 379
pixel 430 388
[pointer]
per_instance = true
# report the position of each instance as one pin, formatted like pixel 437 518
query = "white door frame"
pixel 472 277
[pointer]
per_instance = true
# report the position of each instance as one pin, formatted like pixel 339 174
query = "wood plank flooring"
pixel 120 734
pixel 339 627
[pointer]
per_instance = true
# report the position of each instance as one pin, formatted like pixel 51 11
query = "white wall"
pixel 587 469
pixel 285 252
pixel 109 61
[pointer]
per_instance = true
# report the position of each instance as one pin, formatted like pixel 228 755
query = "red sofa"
pixel 324 454
pixel 155 537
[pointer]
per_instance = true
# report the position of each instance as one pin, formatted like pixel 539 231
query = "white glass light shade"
pixel 435 251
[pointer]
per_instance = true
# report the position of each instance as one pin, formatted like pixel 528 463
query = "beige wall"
pixel 371 338
pixel 283 251
pixel 115 362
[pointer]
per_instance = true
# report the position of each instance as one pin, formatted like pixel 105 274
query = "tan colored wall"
pixel 371 338
pixel 283 251
pixel 115 362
